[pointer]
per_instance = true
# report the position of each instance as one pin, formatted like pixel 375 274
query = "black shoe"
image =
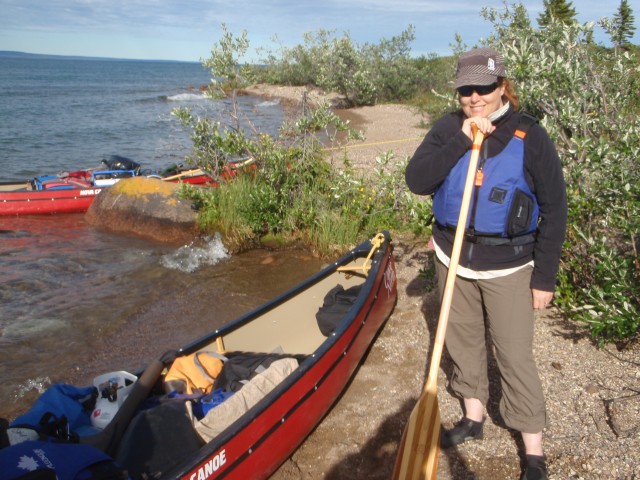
pixel 534 473
pixel 466 429
pixel 536 468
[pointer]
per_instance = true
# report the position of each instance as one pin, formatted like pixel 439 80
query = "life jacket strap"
pixel 494 241
pixel 526 120
pixel 472 236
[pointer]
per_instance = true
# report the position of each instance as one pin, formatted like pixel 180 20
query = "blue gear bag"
pixel 64 461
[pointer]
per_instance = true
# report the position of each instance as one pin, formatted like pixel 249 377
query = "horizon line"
pixel 21 54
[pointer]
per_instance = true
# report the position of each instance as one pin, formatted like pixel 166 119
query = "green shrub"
pixel 363 74
pixel 586 98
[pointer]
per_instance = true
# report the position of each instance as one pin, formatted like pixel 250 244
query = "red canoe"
pixel 254 440
pixel 68 196
pixel 196 176
pixel 68 192
pixel 256 444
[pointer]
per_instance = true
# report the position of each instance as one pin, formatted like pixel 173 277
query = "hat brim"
pixel 475 79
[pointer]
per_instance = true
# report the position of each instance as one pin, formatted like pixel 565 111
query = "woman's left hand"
pixel 541 299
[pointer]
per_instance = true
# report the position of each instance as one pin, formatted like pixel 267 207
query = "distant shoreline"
pixel 45 56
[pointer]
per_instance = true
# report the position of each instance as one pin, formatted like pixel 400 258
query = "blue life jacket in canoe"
pixel 503 208
pixel 59 412
pixel 62 461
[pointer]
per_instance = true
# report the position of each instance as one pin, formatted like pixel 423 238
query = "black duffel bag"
pixel 335 306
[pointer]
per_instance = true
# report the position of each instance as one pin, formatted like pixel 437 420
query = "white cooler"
pixel 116 387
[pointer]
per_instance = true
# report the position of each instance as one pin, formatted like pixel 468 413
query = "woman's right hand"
pixel 483 124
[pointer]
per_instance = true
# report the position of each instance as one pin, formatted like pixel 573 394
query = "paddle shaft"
pixel 419 456
pixel 186 173
pixel 447 296
pixel 199 171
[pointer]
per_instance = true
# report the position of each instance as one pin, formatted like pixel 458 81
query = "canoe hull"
pixel 73 200
pixel 196 179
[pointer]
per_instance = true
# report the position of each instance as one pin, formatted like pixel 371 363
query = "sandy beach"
pixel 387 127
pixel 593 395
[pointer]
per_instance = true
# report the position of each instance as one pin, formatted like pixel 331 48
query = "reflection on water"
pixel 77 301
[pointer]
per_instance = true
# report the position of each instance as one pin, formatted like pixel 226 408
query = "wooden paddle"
pixel 198 171
pixel 420 445
pixel 186 173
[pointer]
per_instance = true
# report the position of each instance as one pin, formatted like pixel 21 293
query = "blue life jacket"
pixel 60 413
pixel 503 208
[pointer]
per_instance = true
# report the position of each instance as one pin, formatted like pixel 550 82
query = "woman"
pixel 511 252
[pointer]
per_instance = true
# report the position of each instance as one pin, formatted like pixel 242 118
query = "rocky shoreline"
pixel 593 394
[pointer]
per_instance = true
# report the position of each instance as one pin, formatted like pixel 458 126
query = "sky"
pixel 187 30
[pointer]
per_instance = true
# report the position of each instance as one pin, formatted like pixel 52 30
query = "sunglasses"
pixel 468 90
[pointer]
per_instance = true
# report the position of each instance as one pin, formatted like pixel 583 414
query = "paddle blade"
pixel 420 445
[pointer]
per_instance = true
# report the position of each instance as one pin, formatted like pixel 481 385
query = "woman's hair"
pixel 509 92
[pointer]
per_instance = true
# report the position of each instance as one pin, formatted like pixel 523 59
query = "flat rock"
pixel 624 415
pixel 147 207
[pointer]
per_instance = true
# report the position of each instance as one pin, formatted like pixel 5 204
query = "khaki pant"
pixel 506 304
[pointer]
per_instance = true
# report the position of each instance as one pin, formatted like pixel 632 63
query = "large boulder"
pixel 147 207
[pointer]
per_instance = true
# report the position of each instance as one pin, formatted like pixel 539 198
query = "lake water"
pixel 63 114
pixel 76 301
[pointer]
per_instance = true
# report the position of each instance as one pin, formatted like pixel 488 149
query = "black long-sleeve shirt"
pixel 445 144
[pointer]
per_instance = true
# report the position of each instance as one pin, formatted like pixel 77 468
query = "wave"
pixel 185 97
pixel 189 258
pixel 269 103
pixel 40 384
pixel 33 327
